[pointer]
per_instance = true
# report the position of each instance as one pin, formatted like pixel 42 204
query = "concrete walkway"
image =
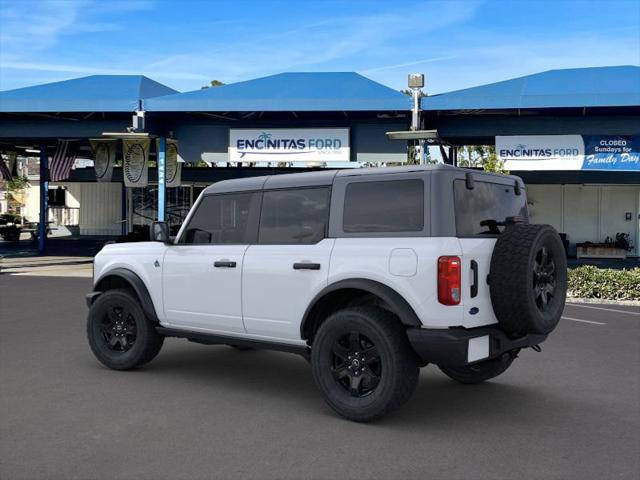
pixel 48 266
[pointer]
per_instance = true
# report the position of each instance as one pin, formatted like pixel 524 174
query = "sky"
pixel 185 44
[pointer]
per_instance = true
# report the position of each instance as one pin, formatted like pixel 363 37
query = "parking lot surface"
pixel 572 411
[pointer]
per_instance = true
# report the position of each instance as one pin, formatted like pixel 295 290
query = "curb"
pixel 602 301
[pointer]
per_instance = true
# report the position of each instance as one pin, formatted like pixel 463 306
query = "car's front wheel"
pixel 363 363
pixel 119 333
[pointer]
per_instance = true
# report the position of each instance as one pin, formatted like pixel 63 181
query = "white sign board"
pixel 541 152
pixel 289 145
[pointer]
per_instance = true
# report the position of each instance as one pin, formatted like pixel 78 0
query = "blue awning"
pixel 577 87
pixel 288 92
pixel 96 93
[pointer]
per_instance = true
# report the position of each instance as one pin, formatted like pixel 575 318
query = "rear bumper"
pixel 460 346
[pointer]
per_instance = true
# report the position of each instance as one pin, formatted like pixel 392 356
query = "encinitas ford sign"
pixel 569 152
pixel 289 145
pixel 541 152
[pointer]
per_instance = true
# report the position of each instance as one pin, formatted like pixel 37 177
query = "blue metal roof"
pixel 299 92
pixel 96 93
pixel 577 87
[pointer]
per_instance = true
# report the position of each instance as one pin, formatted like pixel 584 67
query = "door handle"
pixel 306 266
pixel 474 271
pixel 224 264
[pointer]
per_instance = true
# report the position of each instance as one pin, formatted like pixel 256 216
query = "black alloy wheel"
pixel 356 364
pixel 544 282
pixel 363 363
pixel 528 279
pixel 118 328
pixel 120 334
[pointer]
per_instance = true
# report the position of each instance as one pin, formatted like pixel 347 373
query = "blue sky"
pixel 184 44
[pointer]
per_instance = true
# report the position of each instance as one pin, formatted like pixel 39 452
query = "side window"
pixel 223 219
pixel 294 216
pixel 384 206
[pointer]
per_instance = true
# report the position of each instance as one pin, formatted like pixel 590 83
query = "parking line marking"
pixel 602 308
pixel 583 321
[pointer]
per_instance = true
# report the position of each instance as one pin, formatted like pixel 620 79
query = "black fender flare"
pixel 136 283
pixel 396 302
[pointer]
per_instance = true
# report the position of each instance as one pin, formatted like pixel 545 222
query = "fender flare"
pixel 138 286
pixel 398 305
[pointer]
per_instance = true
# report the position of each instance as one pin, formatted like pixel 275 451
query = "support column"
pixel 162 190
pixel 44 199
pixel 123 209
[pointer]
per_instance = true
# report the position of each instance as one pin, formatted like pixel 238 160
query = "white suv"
pixel 368 273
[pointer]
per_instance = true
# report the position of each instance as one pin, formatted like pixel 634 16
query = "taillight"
pixel 449 280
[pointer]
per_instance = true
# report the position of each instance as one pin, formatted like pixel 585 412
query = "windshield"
pixel 483 210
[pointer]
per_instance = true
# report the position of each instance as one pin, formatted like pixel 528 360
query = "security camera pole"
pixel 416 83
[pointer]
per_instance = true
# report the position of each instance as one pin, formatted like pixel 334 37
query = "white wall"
pixel 100 208
pixel 587 212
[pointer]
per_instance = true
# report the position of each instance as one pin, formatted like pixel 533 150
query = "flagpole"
pixel 44 199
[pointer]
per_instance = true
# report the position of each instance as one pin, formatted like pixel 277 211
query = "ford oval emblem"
pixel 474 310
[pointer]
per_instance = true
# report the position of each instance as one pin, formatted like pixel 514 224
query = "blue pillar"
pixel 44 199
pixel 162 190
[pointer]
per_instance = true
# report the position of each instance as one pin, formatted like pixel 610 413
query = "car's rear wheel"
pixel 120 335
pixel 363 363
pixel 479 372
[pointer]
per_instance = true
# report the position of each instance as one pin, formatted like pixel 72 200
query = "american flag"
pixel 62 161
pixel 4 170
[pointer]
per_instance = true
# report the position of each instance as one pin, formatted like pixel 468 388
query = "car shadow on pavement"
pixel 437 402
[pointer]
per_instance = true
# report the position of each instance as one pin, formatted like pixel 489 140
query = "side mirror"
pixel 159 232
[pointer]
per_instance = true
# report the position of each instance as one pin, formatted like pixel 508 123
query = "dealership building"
pixel 573 135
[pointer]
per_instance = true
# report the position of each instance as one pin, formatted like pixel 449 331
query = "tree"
pixel 474 156
pixel 213 83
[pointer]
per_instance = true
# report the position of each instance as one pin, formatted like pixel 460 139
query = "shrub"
pixel 588 281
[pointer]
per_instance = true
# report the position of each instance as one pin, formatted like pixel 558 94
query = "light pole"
pixel 416 83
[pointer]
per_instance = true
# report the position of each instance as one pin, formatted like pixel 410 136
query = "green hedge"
pixel 588 281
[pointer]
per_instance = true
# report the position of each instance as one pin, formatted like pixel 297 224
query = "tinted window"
pixel 387 206
pixel 294 216
pixel 222 219
pixel 486 202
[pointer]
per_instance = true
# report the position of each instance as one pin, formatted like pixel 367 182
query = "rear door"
pixel 202 273
pixel 290 263
pixel 475 211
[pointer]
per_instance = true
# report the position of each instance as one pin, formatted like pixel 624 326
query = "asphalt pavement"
pixel 571 411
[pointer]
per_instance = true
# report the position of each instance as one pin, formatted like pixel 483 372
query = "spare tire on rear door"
pixel 528 279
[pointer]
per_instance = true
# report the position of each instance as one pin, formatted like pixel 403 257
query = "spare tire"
pixel 528 279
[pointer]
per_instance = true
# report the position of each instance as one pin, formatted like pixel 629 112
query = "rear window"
pixel 479 209
pixel 384 206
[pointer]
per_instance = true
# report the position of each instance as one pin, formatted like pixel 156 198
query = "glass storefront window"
pixel 144 207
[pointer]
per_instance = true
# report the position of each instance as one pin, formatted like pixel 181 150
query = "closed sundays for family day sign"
pixel 289 145
pixel 569 152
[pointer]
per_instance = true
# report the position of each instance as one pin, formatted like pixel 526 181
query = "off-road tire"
pixel 479 372
pixel 146 344
pixel 396 362
pixel 516 274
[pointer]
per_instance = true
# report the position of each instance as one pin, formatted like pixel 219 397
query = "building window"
pixel 294 216
pixel 57 197
pixel 384 206
pixel 144 207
